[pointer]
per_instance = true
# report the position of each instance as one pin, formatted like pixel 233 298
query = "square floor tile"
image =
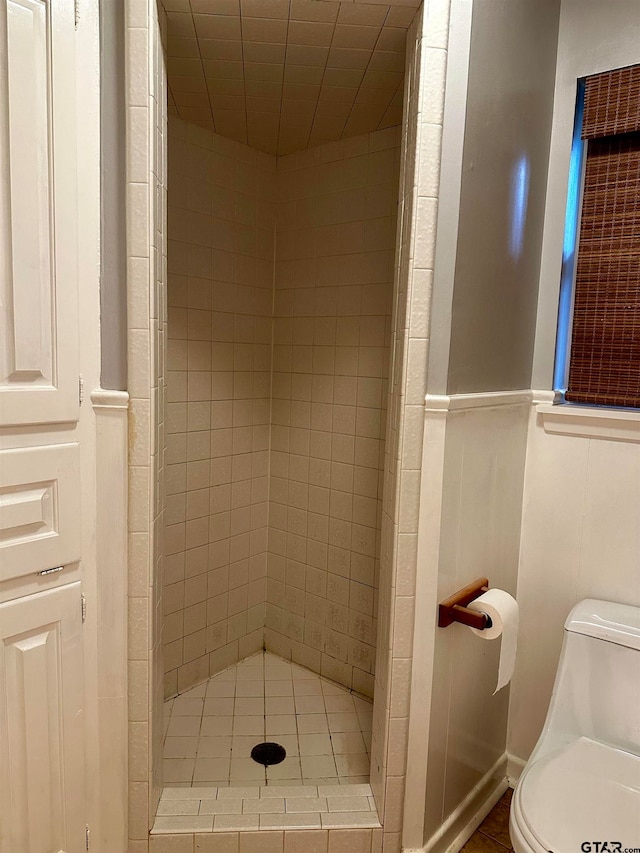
pixel 218 707
pixel 281 724
pixel 346 742
pixel 313 724
pixel 249 707
pixel 318 765
pixel 278 688
pixel 221 689
pixel 245 769
pixel 318 744
pixel 248 726
pixel 287 769
pixel 343 722
pixel 184 726
pixel 216 726
pixel 241 745
pixel 214 747
pixel 177 769
pixel 310 705
pixel 353 764
pixel 279 705
pixel 290 743
pixel 339 704
pixel 307 688
pixel 180 747
pixel 250 689
pixel 277 673
pixel 211 768
pixel 249 674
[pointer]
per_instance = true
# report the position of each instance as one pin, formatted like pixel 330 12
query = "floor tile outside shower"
pixel 492 836
pixel 211 729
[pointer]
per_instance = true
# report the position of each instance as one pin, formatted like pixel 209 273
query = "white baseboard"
pixel 467 817
pixel 515 766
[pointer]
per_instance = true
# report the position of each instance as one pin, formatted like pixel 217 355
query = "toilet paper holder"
pixel 454 609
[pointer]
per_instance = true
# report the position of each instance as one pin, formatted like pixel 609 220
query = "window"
pixel 598 344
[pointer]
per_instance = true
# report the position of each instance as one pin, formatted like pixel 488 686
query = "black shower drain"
pixel 268 753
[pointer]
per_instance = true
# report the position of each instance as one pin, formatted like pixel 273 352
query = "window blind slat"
pixel 612 103
pixel 604 366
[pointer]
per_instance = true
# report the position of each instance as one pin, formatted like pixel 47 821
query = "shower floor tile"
pixel 211 729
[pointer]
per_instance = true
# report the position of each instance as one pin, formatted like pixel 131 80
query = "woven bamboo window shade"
pixel 604 364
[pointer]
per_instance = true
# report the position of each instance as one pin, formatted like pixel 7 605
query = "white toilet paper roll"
pixel 503 611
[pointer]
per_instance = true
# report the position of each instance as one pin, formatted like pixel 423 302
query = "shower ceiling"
pixel 281 75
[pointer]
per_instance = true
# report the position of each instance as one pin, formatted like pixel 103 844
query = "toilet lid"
pixel 586 793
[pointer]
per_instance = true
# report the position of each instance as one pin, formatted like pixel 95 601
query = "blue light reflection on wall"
pixel 569 247
pixel 519 200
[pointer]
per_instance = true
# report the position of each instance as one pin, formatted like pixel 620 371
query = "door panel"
pixel 41 723
pixel 39 509
pixel 38 222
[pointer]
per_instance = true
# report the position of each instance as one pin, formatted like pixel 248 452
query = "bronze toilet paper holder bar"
pixel 454 609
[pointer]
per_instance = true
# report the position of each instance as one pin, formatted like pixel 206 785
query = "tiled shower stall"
pixel 279 291
pixel 278 386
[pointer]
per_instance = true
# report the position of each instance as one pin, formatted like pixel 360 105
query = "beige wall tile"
pixel 261 842
pixel 333 301
pixel 217 341
pixel 349 841
pixel 171 844
pixel 306 841
pixel 220 842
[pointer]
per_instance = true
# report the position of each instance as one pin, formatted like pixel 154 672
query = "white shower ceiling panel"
pixel 281 75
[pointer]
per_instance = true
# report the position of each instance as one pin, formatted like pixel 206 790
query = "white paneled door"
pixel 38 213
pixel 41 723
pixel 42 514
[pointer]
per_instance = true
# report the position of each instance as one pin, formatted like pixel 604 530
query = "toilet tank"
pixel 597 688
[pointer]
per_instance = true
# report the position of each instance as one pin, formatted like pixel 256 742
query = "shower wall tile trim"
pixel 276 402
pixel 146 177
pixel 427 44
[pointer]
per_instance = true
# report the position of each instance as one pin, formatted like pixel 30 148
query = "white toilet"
pixel 581 786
